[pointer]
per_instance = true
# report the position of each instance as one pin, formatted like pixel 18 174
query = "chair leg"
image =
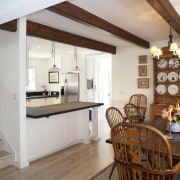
pixel 114 165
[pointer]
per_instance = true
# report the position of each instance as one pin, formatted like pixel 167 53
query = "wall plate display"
pixel 173 89
pixel 161 89
pixel 162 63
pixel 142 70
pixel 173 77
pixel 172 64
pixel 143 59
pixel 143 82
pixel 162 77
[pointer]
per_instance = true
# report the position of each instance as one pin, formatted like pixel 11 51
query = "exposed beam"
pixel 167 11
pixel 39 30
pixel 9 26
pixel 78 14
pixel 42 31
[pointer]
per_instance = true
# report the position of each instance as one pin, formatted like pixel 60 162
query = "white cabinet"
pixel 42 101
pixel 47 135
pixel 67 65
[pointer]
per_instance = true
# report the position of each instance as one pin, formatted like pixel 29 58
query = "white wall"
pixel 41 69
pixel 83 77
pixel 41 72
pixel 125 74
pixel 12 91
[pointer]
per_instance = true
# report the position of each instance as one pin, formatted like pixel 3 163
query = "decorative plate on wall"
pixel 162 63
pixel 162 77
pixel 172 65
pixel 173 77
pixel 173 89
pixel 161 89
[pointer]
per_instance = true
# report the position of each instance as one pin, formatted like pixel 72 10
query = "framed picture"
pixel 89 83
pixel 143 82
pixel 54 77
pixel 142 70
pixel 143 59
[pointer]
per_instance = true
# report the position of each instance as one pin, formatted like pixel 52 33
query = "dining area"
pixel 144 148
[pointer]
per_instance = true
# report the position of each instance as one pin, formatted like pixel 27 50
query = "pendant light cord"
pixel 53 51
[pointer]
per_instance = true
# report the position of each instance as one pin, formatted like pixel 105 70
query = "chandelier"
pixel 173 54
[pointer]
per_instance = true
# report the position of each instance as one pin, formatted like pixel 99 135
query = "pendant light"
pixel 76 69
pixel 54 68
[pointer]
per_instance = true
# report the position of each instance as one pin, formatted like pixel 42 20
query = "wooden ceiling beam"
pixel 167 12
pixel 78 14
pixel 45 32
pixel 39 30
pixel 9 26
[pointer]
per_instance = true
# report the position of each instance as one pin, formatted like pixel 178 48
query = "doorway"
pixel 99 68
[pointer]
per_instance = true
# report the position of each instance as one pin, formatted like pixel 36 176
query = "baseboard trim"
pixel 21 165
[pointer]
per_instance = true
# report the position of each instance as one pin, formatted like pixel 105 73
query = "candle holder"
pixel 169 136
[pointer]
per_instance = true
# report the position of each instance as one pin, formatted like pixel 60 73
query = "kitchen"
pixel 124 66
pixel 68 97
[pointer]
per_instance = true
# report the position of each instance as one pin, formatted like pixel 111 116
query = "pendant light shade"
pixel 76 69
pixel 54 68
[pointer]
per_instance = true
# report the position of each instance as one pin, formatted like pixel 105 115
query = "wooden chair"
pixel 140 101
pixel 133 142
pixel 133 114
pixel 113 116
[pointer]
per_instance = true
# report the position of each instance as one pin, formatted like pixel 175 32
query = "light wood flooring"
pixel 79 162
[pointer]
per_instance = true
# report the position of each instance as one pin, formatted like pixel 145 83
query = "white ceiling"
pixel 176 4
pixel 41 48
pixel 10 10
pixel 135 16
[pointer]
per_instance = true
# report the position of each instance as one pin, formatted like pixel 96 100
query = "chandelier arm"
pixel 170 33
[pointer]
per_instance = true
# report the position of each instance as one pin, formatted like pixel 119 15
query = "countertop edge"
pixel 62 112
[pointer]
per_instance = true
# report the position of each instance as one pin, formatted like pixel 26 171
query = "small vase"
pixel 43 93
pixel 175 127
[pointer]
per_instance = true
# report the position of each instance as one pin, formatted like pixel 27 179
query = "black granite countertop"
pixel 46 111
pixel 38 95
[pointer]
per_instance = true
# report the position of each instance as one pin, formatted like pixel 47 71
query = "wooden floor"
pixel 79 162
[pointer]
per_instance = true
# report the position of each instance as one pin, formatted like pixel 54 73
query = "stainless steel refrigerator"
pixel 69 87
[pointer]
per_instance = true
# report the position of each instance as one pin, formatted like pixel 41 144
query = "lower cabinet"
pixel 156 109
pixel 48 135
pixel 42 101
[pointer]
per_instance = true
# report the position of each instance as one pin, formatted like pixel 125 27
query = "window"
pixel 32 82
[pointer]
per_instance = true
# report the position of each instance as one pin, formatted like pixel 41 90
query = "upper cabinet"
pixel 67 64
pixel 166 84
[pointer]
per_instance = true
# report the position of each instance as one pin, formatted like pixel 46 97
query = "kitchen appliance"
pixel 69 87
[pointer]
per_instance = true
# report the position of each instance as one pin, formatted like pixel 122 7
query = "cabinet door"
pixel 67 64
pixel 73 126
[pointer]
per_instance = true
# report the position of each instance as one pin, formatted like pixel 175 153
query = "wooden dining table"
pixel 159 123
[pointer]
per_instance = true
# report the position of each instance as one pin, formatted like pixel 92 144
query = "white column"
pixel 22 160
pixel 95 124
pixel 85 126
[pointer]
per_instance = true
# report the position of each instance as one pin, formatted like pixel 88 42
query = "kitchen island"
pixel 55 127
